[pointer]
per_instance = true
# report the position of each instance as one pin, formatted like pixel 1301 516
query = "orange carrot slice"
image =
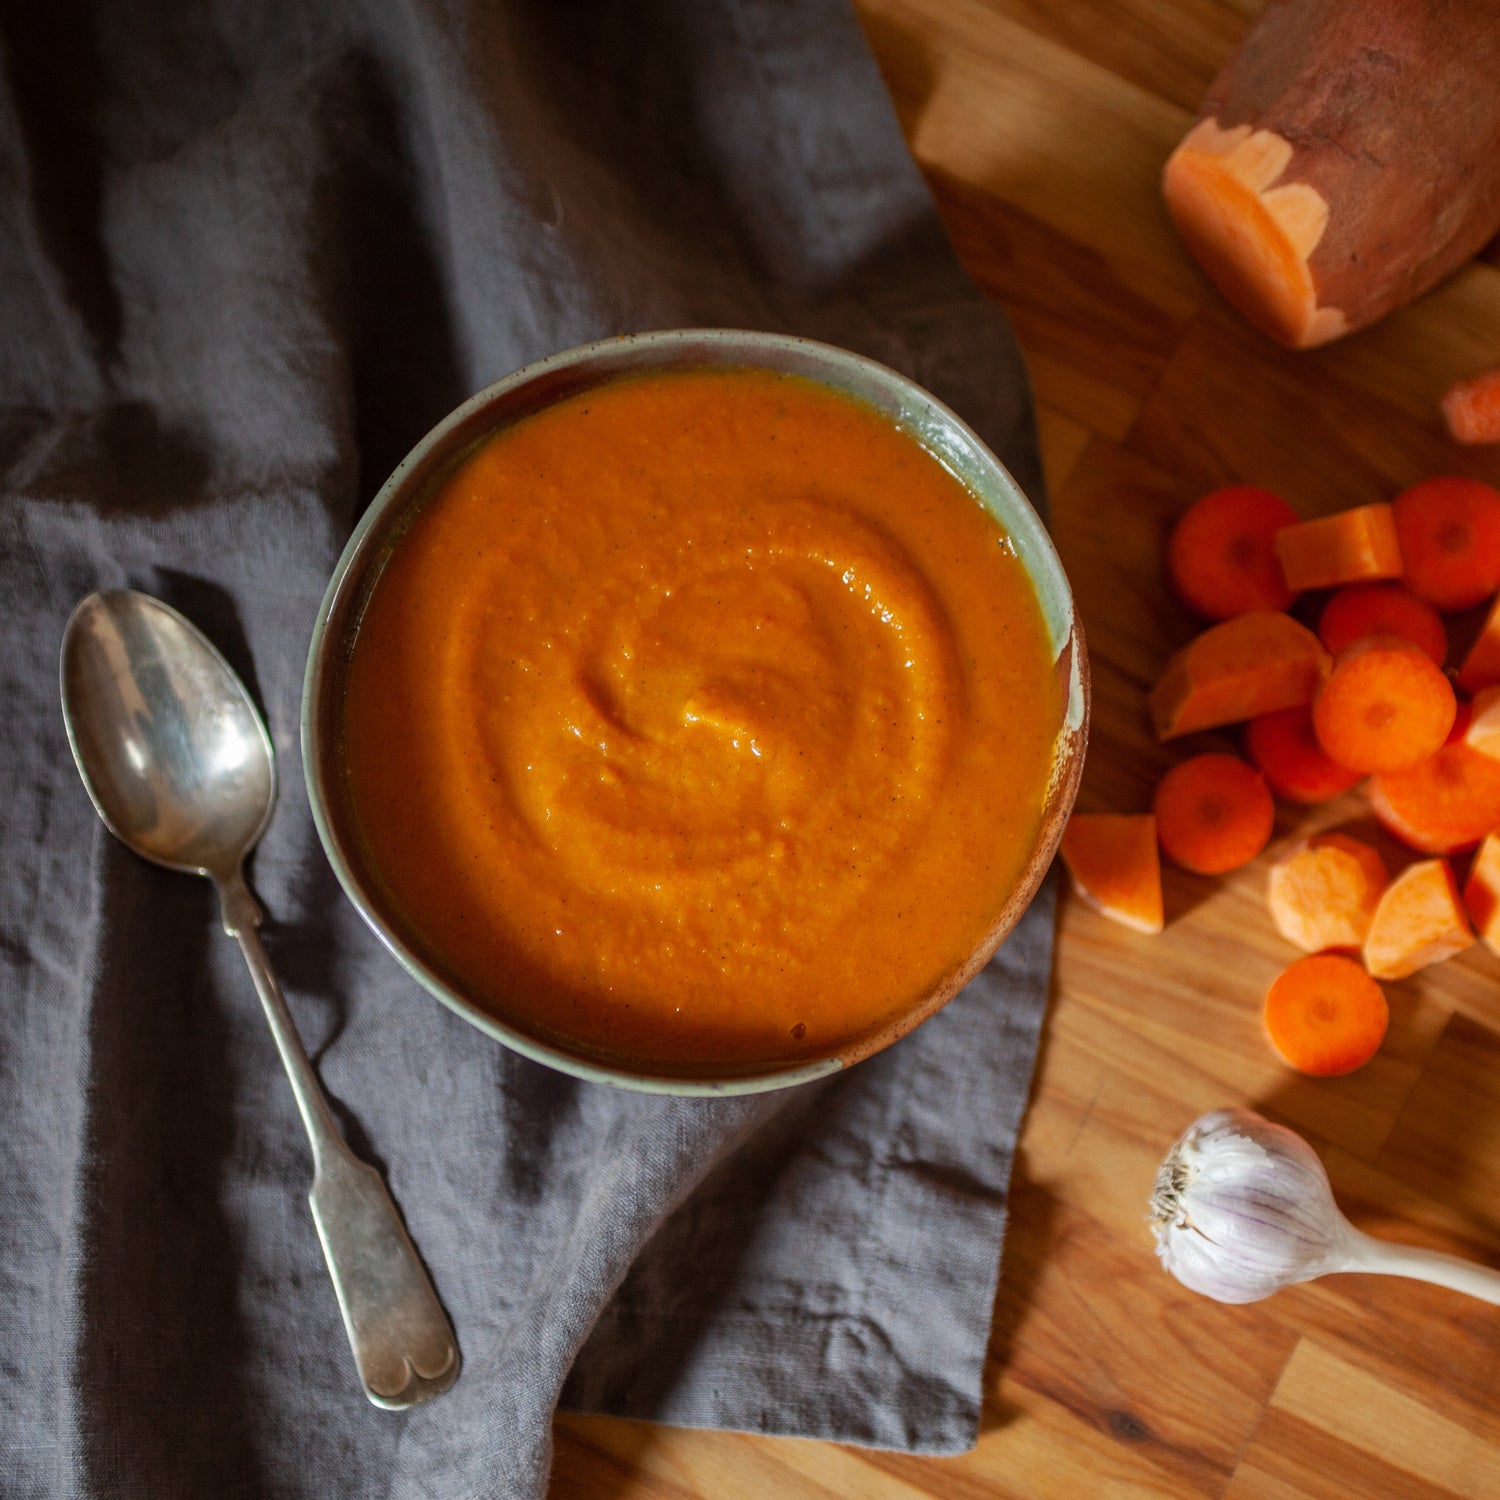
pixel 1471 408
pixel 1449 533
pixel 1384 707
pixel 1113 860
pixel 1354 546
pixel 1482 732
pixel 1420 921
pixel 1444 805
pixel 1252 664
pixel 1481 666
pixel 1284 749
pixel 1381 609
pixel 1324 893
pixel 1482 891
pixel 1326 1016
pixel 1213 813
pixel 1221 557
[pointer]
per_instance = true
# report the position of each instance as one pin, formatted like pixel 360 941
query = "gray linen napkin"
pixel 248 253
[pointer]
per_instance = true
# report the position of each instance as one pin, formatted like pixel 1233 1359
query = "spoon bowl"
pixel 179 765
pixel 170 746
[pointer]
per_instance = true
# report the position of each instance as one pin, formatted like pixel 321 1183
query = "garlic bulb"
pixel 1243 1207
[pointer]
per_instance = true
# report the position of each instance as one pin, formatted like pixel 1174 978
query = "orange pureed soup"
pixel 702 717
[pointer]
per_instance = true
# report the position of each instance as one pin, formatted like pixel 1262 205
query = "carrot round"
pixel 1384 707
pixel 1471 408
pixel 1213 814
pixel 1325 1015
pixel 1381 609
pixel 1285 750
pixel 1445 804
pixel 1221 557
pixel 1449 531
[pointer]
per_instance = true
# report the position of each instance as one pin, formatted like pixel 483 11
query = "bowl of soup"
pixel 696 711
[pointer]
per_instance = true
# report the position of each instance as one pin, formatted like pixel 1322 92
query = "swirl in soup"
pixel 704 716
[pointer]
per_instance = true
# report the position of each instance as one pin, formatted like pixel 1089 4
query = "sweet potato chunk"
pixel 1252 664
pixel 1420 921
pixel 1345 159
pixel 1115 867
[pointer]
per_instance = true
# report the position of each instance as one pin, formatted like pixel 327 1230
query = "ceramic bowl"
pixel 563 375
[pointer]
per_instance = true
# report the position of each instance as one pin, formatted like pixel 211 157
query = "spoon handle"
pixel 1382 1257
pixel 402 1340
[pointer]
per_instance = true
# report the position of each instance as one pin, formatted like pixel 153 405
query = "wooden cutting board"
pixel 1043 125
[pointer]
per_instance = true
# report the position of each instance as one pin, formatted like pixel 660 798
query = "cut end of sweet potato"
pixel 1113 861
pixel 1250 232
pixel 1420 921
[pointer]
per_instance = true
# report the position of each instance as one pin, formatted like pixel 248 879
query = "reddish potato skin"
pixel 1391 112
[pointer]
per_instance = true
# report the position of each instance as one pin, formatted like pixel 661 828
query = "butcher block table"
pixel 1042 126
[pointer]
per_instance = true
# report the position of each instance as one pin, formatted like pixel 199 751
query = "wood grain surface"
pixel 1043 125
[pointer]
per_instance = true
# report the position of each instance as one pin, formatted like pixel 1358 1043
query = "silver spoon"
pixel 179 766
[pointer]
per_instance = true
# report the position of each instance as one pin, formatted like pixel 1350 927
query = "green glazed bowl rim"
pixel 945 435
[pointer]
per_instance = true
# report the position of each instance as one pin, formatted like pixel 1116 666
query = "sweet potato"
pixel 1351 546
pixel 1471 408
pixel 1115 867
pixel 1482 732
pixel 1481 667
pixel 1420 921
pixel 1346 159
pixel 1252 664
pixel 1324 893
pixel 1482 891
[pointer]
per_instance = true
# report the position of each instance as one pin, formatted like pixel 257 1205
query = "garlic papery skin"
pixel 1242 1208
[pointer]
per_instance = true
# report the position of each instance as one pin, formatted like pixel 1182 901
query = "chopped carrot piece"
pixel 1471 408
pixel 1481 667
pixel 1482 891
pixel 1420 921
pixel 1285 750
pixel 1113 860
pixel 1221 557
pixel 1482 732
pixel 1252 664
pixel 1353 546
pixel 1381 609
pixel 1449 531
pixel 1384 707
pixel 1444 805
pixel 1213 813
pixel 1326 1016
pixel 1324 893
